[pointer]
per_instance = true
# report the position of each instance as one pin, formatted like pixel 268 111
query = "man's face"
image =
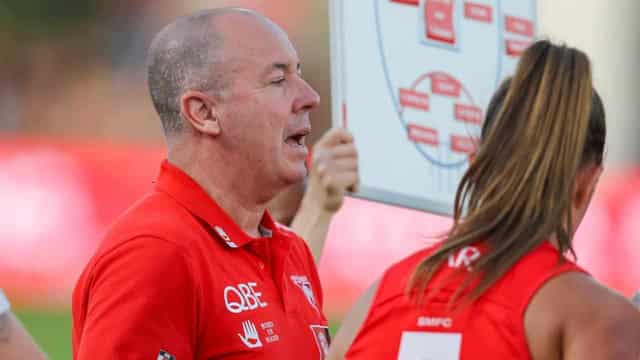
pixel 265 112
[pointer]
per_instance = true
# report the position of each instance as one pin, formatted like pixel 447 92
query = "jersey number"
pixel 429 346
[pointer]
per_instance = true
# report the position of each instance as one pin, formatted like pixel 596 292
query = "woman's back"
pixel 491 328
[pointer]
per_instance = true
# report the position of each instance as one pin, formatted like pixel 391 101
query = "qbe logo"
pixel 243 297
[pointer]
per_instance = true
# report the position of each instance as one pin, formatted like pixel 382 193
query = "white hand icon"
pixel 251 338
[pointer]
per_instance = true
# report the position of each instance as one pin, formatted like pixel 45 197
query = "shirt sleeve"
pixel 5 306
pixel 140 302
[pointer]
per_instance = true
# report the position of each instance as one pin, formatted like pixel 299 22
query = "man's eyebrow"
pixel 286 67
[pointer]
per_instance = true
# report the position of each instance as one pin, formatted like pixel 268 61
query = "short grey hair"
pixel 185 55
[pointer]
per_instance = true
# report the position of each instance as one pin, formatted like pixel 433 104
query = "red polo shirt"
pixel 176 278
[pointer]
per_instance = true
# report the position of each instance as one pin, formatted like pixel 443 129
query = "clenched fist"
pixel 334 169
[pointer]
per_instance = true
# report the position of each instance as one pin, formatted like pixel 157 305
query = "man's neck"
pixel 245 213
pixel 239 202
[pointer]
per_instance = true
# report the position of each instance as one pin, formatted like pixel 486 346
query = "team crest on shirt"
pixel 303 284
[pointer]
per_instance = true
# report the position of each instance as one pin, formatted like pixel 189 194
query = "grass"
pixel 50 329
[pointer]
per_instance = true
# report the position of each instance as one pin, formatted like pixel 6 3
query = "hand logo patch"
pixel 250 338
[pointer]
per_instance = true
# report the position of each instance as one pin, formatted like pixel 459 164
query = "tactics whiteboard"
pixel 411 80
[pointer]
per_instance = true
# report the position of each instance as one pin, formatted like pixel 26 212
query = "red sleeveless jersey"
pixel 492 327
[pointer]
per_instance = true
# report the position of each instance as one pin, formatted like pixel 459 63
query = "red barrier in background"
pixel 58 198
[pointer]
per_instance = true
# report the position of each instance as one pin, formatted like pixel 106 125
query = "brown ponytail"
pixel 542 125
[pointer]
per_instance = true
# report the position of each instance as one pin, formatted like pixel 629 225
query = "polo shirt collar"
pixel 181 187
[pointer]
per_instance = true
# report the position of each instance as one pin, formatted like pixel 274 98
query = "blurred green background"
pixel 51 329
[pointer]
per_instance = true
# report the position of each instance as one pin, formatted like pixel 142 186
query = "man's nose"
pixel 308 98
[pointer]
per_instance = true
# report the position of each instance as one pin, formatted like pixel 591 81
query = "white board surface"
pixel 411 80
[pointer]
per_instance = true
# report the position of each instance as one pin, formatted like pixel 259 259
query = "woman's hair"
pixel 542 125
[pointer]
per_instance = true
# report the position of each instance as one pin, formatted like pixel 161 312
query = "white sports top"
pixel 5 306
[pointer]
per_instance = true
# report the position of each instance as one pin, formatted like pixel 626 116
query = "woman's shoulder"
pixel 578 307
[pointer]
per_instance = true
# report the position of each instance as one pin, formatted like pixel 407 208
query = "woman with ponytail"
pixel 502 285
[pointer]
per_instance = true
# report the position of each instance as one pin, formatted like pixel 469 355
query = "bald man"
pixel 198 269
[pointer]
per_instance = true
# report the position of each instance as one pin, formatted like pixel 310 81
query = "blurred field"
pixel 51 329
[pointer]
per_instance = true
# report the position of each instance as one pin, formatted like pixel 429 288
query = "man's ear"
pixel 200 111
